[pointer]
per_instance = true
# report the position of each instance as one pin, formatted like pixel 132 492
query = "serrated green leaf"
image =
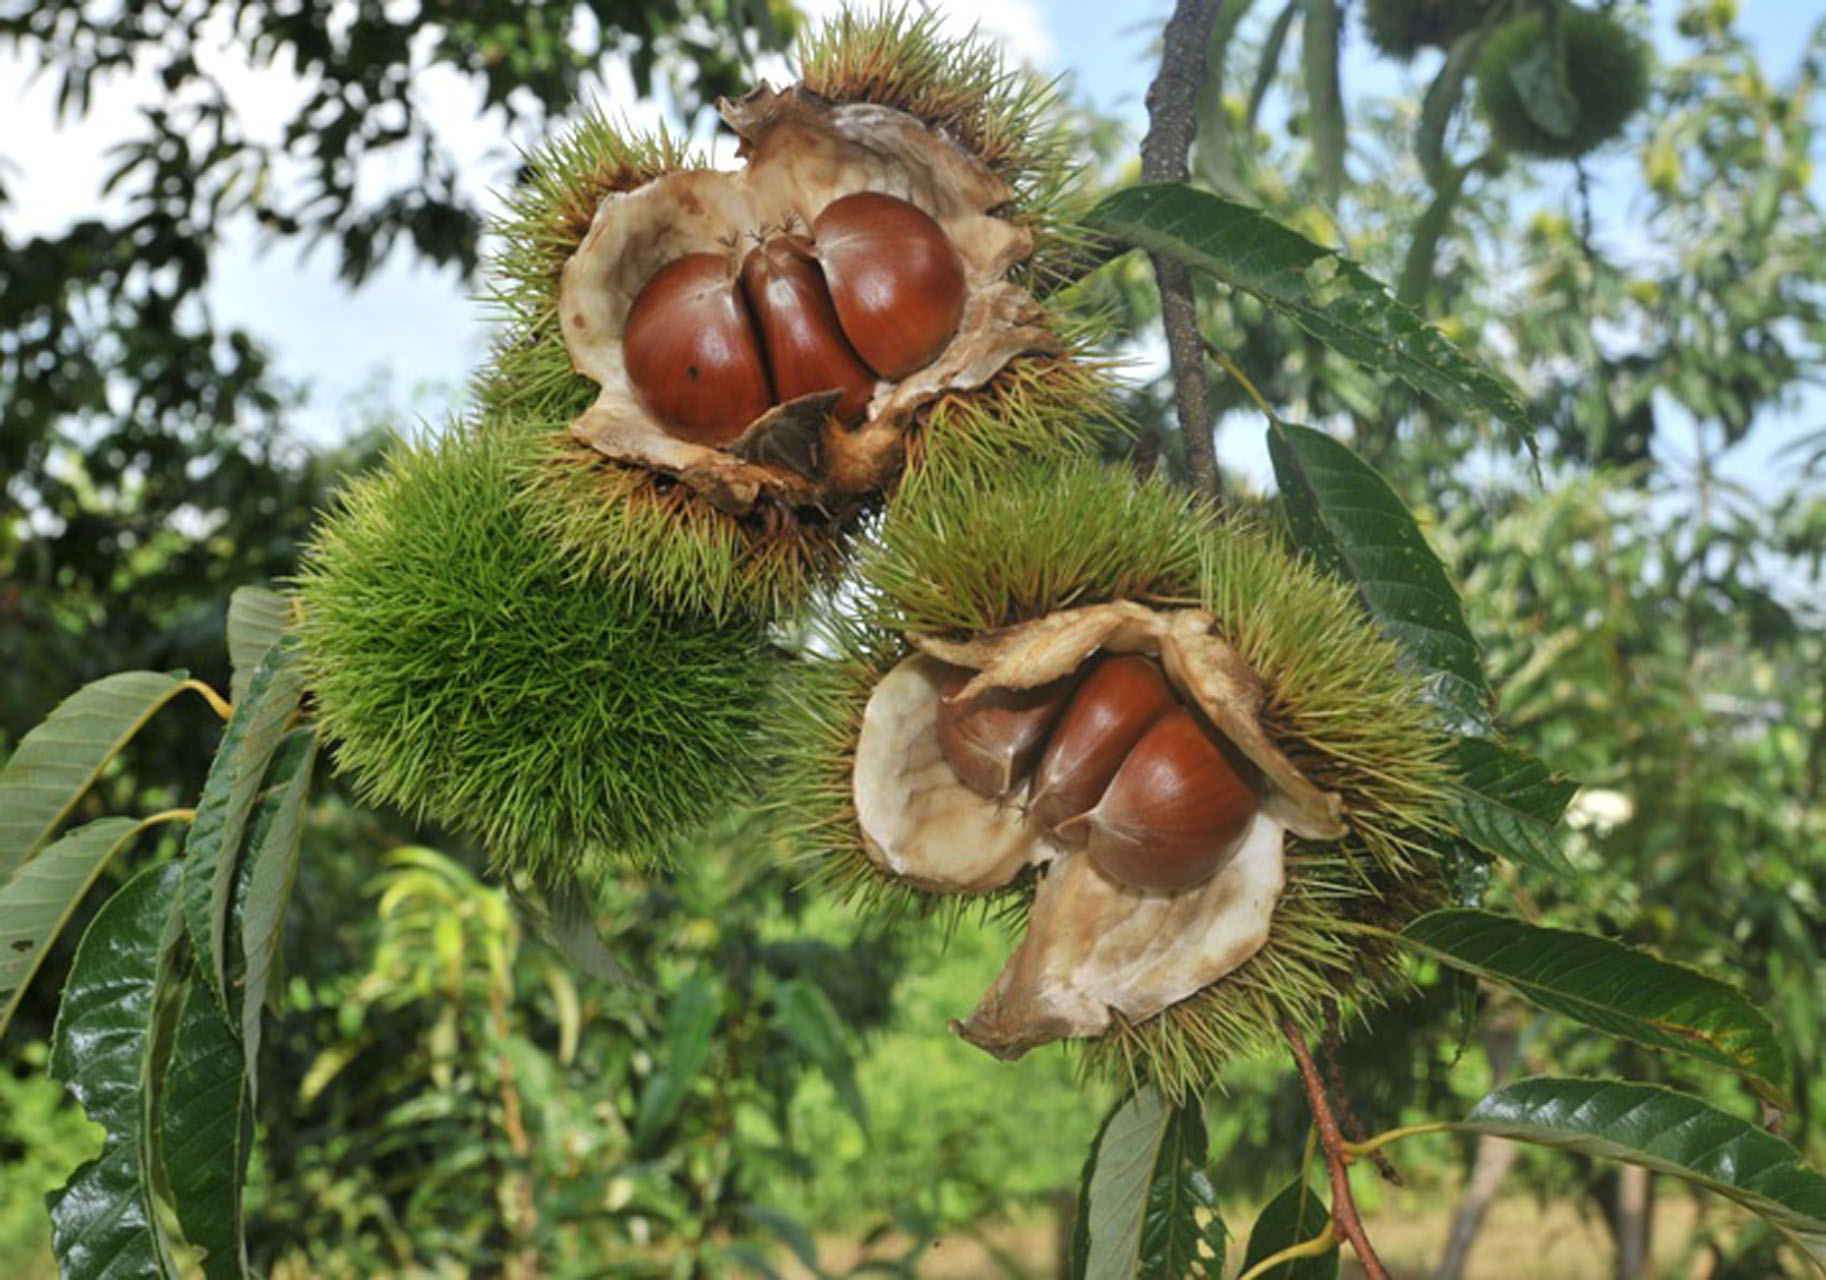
pixel 1324 99
pixel 1143 1187
pixel 57 761
pixel 1323 292
pixel 691 1022
pixel 1617 989
pixel 273 836
pixel 1509 804
pixel 1670 1133
pixel 213 849
pixel 1345 515
pixel 257 618
pixel 205 1130
pixel 38 901
pixel 804 1015
pixel 104 1221
pixel 1441 102
pixel 1295 1215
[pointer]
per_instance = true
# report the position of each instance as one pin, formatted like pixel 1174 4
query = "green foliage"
pixel 1559 83
pixel 1509 804
pixel 1401 28
pixel 1622 991
pixel 1146 1205
pixel 467 676
pixel 1294 1215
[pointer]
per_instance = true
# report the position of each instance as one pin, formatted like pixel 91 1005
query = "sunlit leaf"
pixel 257 618
pixel 1326 294
pixel 805 1016
pixel 691 1022
pixel 205 1129
pixel 273 836
pixel 56 761
pixel 235 776
pixel 1345 515
pixel 1670 1133
pixel 38 901
pixel 104 1220
pixel 1509 804
pixel 1143 1192
pixel 1294 1216
pixel 1615 988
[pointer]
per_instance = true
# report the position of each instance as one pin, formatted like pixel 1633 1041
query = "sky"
pixel 412 336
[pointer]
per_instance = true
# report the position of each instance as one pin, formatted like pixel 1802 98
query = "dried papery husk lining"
pixel 1096 950
pixel 802 153
pixel 1092 946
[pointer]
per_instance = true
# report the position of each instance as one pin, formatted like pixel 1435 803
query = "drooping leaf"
pixel 1423 249
pixel 1213 152
pixel 1441 102
pixel 205 1126
pixel 1615 988
pixel 56 761
pixel 1143 1187
pixel 1324 293
pixel 213 849
pixel 104 1220
pixel 1265 70
pixel 1345 515
pixel 273 836
pixel 1508 803
pixel 1670 1133
pixel 690 1025
pixel 39 900
pixel 257 618
pixel 1294 1216
pixel 1324 98
pixel 804 1015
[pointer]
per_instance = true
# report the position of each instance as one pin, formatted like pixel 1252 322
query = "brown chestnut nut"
pixel 896 280
pixel 1117 701
pixel 800 334
pixel 691 351
pixel 993 739
pixel 1175 812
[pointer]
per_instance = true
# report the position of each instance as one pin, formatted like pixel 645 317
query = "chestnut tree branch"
pixel 1172 122
pixel 1343 1209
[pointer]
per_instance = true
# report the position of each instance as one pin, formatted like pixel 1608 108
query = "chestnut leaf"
pixel 1143 1188
pixel 1294 1216
pixel 257 618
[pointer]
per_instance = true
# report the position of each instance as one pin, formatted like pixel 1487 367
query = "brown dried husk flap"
pixel 1094 950
pixel 802 152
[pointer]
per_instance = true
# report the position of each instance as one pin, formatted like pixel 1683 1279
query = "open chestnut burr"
pixel 770 334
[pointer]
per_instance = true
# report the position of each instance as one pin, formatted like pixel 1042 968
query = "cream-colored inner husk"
pixel 802 153
pixel 1093 949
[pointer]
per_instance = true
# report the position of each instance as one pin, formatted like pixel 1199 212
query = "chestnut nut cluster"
pixel 1115 765
pixel 874 291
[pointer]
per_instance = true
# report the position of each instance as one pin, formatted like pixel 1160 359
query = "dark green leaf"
pixel 1670 1133
pixel 1324 100
pixel 1346 517
pixel 1614 988
pixel 1144 1187
pixel 37 902
pixel 691 1023
pixel 272 851
pixel 1294 1216
pixel 257 618
pixel 205 1127
pixel 104 1220
pixel 56 761
pixel 1326 294
pixel 804 1015
pixel 213 850
pixel 1509 804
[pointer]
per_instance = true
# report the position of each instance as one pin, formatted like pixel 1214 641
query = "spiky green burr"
pixel 626 525
pixel 470 676
pixel 969 555
pixel 1606 75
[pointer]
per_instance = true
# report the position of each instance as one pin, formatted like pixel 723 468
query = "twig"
pixel 1172 122
pixel 1375 1142
pixel 1343 1209
pixel 1353 1128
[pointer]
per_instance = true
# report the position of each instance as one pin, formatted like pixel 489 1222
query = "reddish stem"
pixel 1343 1209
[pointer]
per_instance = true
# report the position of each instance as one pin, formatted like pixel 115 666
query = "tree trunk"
pixel 1633 1221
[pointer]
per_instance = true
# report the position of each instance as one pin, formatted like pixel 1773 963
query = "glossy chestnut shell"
pixel 692 351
